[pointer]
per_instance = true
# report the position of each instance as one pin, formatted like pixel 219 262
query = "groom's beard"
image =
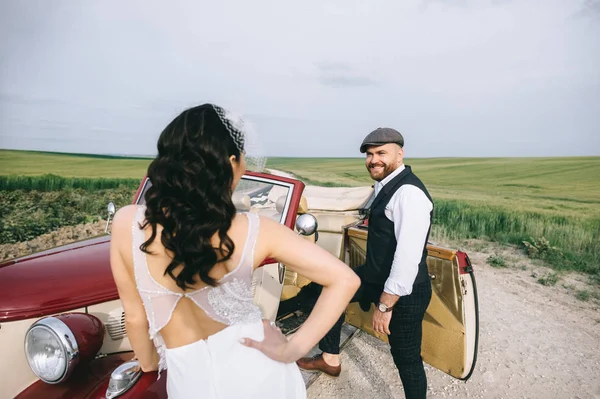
pixel 380 170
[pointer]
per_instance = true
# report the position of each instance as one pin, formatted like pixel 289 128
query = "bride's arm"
pixel 311 261
pixel 121 263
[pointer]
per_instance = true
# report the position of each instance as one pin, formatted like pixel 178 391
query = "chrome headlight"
pixel 123 378
pixel 51 350
pixel 55 345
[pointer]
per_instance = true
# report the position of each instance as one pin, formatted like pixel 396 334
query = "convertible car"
pixel 62 331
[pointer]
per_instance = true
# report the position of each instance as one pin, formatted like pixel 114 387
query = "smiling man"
pixel 395 274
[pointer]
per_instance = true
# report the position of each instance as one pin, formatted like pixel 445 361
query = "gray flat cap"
pixel 381 136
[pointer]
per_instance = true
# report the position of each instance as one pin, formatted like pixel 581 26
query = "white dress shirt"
pixel 409 209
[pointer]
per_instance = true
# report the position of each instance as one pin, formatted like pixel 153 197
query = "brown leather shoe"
pixel 316 363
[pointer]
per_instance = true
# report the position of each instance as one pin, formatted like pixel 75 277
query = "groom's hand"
pixel 381 322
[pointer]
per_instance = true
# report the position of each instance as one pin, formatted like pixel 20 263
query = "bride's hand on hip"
pixel 275 345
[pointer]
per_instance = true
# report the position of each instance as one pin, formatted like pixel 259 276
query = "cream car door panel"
pixel 450 326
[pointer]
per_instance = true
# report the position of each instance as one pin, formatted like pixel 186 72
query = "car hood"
pixel 57 280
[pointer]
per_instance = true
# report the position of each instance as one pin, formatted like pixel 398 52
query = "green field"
pixel 558 186
pixel 32 163
pixel 508 200
pixel 552 203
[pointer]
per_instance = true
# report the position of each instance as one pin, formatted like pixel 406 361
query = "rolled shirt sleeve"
pixel 410 210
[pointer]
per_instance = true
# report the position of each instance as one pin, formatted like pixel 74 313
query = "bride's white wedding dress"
pixel 219 366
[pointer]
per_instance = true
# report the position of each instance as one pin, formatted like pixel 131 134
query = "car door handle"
pixel 281 272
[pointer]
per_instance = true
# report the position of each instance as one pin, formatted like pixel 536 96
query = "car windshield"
pixel 256 195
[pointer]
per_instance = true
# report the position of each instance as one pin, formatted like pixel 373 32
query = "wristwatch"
pixel 383 308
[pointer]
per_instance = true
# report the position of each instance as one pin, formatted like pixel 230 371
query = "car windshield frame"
pixel 139 200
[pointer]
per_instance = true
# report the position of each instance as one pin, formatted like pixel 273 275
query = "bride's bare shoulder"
pixel 122 222
pixel 124 216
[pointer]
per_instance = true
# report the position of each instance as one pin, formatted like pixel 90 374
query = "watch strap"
pixel 387 308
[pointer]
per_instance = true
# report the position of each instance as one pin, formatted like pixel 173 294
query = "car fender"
pixel 91 382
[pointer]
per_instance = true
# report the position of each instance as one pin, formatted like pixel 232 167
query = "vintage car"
pixel 62 331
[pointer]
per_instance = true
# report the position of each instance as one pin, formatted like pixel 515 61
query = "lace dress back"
pixel 230 302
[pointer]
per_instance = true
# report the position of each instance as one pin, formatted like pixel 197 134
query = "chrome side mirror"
pixel 307 225
pixel 123 378
pixel 111 213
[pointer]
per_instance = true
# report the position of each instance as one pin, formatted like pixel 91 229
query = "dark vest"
pixel 381 241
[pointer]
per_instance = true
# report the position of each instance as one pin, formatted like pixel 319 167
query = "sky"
pixel 480 78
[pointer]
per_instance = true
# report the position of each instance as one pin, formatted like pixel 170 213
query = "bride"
pixel 183 267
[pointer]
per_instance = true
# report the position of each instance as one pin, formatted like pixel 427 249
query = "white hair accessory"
pixel 234 124
pixel 245 138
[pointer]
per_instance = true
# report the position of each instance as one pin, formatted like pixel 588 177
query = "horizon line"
pixel 142 156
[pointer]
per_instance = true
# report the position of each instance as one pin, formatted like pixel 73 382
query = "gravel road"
pixel 535 342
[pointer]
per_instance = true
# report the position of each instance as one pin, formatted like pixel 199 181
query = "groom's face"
pixel 383 159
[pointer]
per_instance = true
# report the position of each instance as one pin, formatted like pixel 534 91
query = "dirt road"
pixel 536 341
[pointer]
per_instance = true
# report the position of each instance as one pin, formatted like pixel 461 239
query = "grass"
pixel 496 261
pixel 574 242
pixel 33 163
pixel 26 215
pixel 50 182
pixel 549 279
pixel 549 206
pixel 582 295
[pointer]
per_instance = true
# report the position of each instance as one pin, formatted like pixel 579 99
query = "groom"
pixel 395 275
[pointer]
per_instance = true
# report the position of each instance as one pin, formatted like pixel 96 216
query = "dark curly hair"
pixel 190 196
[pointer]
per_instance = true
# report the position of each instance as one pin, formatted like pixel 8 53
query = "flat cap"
pixel 381 136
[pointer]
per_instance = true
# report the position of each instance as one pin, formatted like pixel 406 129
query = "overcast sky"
pixel 457 78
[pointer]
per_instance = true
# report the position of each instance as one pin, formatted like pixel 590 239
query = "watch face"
pixel 382 307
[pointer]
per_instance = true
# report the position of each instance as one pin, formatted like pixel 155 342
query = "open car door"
pixel 451 323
